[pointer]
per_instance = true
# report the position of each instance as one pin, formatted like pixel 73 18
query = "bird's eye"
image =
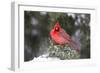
pixel 57 29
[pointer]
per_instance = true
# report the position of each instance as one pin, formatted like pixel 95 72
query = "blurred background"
pixel 37 27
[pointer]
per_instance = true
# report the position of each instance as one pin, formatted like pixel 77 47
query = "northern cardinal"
pixel 60 37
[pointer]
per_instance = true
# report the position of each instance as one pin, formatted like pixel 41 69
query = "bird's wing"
pixel 69 40
pixel 65 35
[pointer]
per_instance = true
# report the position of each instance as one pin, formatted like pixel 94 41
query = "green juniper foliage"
pixel 63 52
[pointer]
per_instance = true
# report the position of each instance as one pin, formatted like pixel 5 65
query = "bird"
pixel 61 37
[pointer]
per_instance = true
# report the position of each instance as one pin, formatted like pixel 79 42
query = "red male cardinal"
pixel 60 37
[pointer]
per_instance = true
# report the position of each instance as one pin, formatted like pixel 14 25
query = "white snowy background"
pixel 5 36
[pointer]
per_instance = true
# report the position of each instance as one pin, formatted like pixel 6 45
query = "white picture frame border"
pixel 17 31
